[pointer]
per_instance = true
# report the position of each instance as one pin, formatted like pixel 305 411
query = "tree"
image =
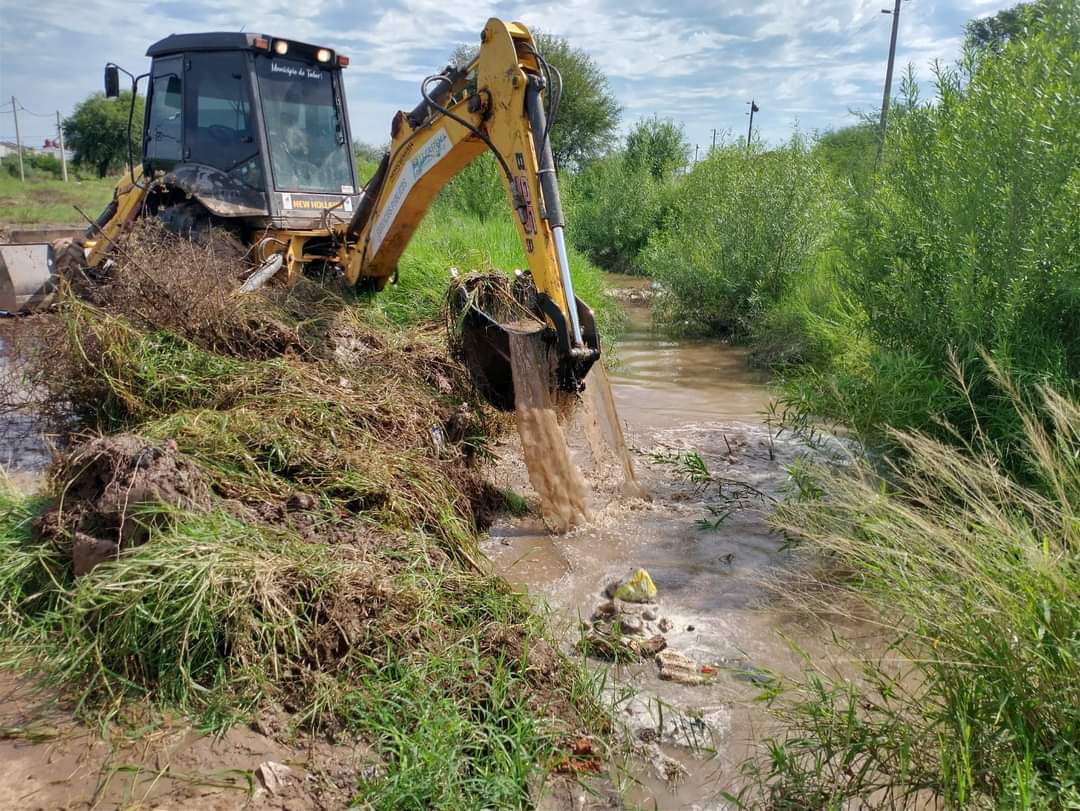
pixel 588 113
pixel 850 153
pixel 995 32
pixel 97 132
pixel 659 146
pixel 368 153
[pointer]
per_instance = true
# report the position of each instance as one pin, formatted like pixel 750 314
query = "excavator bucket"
pixel 28 277
pixel 486 309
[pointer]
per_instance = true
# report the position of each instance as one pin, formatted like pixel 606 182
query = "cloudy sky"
pixel 807 62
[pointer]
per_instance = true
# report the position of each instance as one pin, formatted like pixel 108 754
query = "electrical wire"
pixel 31 112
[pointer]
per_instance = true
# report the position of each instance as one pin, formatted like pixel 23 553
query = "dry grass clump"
pixel 160 281
pixel 272 393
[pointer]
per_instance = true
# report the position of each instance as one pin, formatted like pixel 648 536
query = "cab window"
pixel 164 123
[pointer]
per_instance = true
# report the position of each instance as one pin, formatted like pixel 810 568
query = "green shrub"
pixel 616 203
pixel 743 224
pixel 614 206
pixel 36 165
pixel 478 190
pixel 850 153
pixel 968 241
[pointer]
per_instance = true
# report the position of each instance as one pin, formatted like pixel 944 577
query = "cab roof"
pixel 213 41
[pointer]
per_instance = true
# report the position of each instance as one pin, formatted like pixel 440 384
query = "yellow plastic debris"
pixel 636 587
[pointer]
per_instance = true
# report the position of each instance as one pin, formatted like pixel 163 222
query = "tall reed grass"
pixel 975 580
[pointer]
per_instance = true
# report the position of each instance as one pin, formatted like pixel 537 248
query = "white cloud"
pixel 695 60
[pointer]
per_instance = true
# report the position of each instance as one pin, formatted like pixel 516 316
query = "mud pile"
pixel 279 503
pixel 107 482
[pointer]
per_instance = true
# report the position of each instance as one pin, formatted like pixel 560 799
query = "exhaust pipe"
pixel 28 277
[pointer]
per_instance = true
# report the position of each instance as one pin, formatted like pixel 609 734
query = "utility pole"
pixel 63 153
pixel 18 141
pixel 696 147
pixel 753 109
pixel 888 74
pixel 713 139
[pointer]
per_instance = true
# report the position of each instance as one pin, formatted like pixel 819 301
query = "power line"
pixel 31 112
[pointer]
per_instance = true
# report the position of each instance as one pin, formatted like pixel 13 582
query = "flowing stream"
pixel 707 547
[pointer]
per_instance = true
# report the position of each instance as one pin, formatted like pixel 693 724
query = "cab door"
pixel 163 144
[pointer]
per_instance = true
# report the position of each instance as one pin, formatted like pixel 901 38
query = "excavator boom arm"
pixel 493 104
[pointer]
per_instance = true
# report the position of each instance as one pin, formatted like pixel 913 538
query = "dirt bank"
pixel 52 761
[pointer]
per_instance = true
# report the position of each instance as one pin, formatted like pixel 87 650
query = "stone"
pixel 630 624
pixel 665 625
pixel 648 735
pixel 604 611
pixel 649 614
pixel 88 552
pixel 272 776
pixel 635 587
pixel 681 669
pixel 302 502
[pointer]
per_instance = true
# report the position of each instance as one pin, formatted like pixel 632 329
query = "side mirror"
pixel 112 81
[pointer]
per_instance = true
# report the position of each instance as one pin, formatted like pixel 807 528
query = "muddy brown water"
pixel 25 444
pixel 674 396
pixel 555 478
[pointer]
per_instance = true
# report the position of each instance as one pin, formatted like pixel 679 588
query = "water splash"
pixel 555 478
pixel 604 430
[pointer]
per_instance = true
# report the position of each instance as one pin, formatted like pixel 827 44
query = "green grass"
pixel 975 578
pixel 51 202
pixel 449 237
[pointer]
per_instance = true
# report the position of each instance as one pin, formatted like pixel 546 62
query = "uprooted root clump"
pixel 276 508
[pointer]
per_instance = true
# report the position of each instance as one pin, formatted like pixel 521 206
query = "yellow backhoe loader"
pixel 248 135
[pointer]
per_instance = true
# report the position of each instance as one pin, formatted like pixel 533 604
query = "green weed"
pixel 742 226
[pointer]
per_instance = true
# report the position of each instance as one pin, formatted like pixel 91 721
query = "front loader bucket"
pixel 28 277
pixel 485 309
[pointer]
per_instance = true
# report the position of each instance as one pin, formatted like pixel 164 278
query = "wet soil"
pixel 25 445
pixel 685 742
pixel 52 762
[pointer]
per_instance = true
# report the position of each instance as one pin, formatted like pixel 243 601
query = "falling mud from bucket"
pixel 604 431
pixel 556 479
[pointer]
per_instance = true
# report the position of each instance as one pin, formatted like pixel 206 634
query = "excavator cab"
pixel 253 127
